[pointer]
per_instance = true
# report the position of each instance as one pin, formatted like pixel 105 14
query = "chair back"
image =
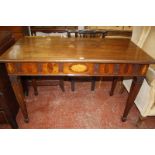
pixel 88 33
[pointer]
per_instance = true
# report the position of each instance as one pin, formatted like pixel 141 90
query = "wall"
pixel 136 33
pixel 149 44
pixel 144 37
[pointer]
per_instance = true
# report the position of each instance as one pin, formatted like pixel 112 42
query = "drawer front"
pixel 32 68
pixel 78 68
pixel 123 69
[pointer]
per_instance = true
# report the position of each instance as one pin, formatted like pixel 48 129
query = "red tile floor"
pixel 80 109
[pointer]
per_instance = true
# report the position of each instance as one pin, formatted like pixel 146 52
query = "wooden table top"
pixel 57 49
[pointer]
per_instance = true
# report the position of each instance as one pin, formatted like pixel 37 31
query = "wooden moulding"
pixel 90 69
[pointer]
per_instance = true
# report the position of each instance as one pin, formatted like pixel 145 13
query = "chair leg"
pixel 114 82
pixel 61 84
pixel 25 86
pixel 122 89
pixel 34 85
pixel 93 83
pixel 72 84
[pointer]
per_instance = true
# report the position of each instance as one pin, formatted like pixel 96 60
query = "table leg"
pixel 135 87
pixel 18 90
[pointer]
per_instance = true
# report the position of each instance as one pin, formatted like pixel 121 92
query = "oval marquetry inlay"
pixel 78 68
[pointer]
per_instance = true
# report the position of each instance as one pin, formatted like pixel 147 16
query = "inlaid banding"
pixel 18 67
pixel 96 68
pixel 130 69
pixel 28 68
pixel 143 69
pixel 61 67
pixel 50 68
pixel 136 69
pixel 116 68
pixel 126 67
pixel 40 66
pixel 106 68
pixel 44 68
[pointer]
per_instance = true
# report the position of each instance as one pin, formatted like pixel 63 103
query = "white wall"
pixel 136 33
pixel 149 44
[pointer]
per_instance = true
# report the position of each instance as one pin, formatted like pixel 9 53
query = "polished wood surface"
pixel 53 56
pixel 55 49
pixel 85 34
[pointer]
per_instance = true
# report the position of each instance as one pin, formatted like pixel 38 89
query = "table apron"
pixel 75 69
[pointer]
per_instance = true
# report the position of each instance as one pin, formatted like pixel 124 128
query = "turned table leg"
pixel 18 90
pixel 135 87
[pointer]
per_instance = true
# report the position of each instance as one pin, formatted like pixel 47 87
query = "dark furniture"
pixel 17 31
pixel 39 81
pixel 8 103
pixel 86 34
pixel 57 56
pixel 51 29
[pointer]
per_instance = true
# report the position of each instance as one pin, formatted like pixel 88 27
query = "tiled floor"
pixel 80 109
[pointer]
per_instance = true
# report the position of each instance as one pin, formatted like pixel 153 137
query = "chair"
pixel 86 34
pixel 34 80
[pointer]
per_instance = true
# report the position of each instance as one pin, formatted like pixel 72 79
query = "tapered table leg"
pixel 18 90
pixel 135 87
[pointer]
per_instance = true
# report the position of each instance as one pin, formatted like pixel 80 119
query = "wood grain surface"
pixel 56 49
